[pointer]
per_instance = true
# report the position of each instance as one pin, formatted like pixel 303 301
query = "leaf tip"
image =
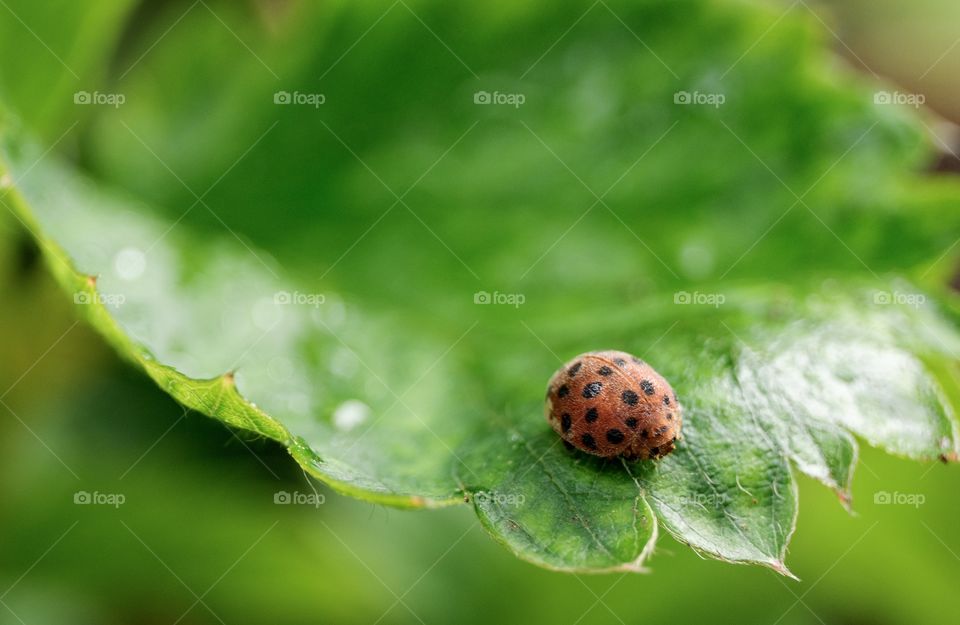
pixel 632 567
pixel 846 500
pixel 781 568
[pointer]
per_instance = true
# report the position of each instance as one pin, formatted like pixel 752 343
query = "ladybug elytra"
pixel 611 404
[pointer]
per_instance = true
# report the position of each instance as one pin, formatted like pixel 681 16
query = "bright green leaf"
pixel 748 251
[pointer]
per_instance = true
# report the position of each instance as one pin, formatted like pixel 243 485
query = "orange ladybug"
pixel 612 404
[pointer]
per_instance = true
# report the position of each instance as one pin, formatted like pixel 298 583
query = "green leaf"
pixel 751 252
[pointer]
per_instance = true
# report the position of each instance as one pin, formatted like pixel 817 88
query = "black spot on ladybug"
pixel 619 362
pixel 565 422
pixel 615 436
pixel 660 430
pixel 591 415
pixel 572 371
pixel 604 370
pixel 647 386
pixel 588 441
pixel 636 360
pixel 629 398
pixel 631 423
pixel 669 416
pixel 666 400
pixel 644 433
pixel 563 391
pixel 592 390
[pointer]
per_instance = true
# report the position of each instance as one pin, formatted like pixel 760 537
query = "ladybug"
pixel 611 404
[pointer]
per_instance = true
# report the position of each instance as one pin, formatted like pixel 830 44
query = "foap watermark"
pixel 699 98
pixel 296 498
pixel 302 99
pixel 296 298
pixel 96 498
pixel 916 100
pixel 886 298
pixel 705 500
pixel 503 500
pixel 85 298
pixel 886 498
pixel 104 99
pixel 500 299
pixel 497 97
pixel 699 299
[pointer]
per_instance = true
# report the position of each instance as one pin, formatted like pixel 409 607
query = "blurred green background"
pixel 198 537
